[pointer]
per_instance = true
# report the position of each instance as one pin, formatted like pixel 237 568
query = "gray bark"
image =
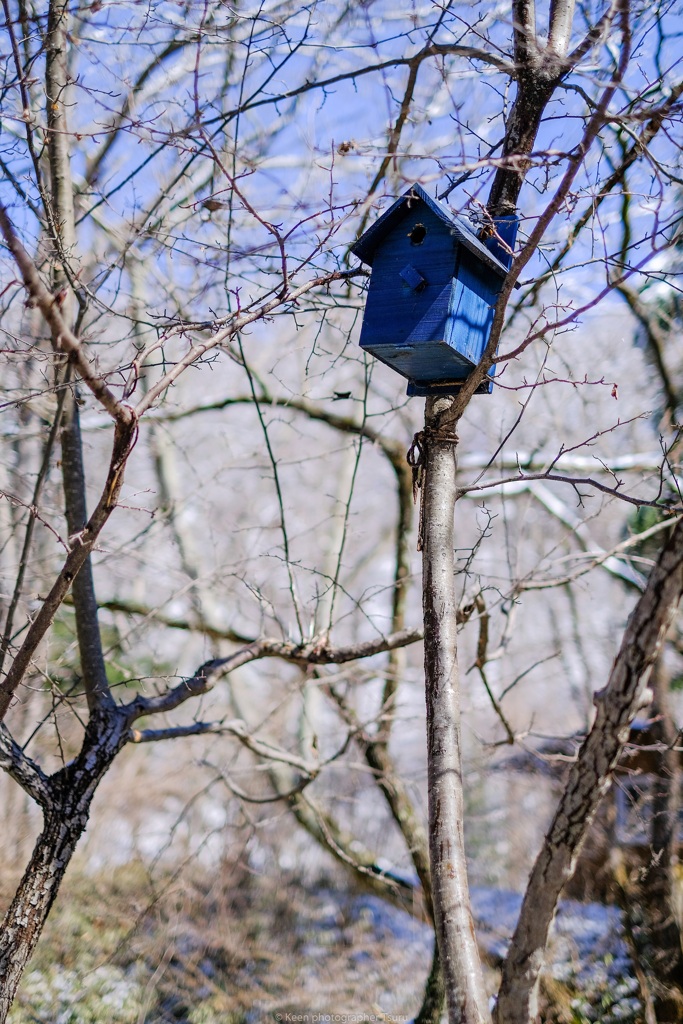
pixel 62 221
pixel 588 781
pixel 61 214
pixel 465 992
pixel 83 588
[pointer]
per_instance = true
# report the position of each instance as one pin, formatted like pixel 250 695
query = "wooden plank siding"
pixel 432 293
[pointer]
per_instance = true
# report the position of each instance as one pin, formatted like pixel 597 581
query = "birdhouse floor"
pixel 424 389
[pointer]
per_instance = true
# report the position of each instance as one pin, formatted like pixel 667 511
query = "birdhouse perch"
pixel 433 289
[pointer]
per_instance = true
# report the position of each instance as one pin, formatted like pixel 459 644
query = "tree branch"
pixel 649 132
pixel 560 26
pixel 63 338
pixel 575 481
pixel 82 545
pixel 22 769
pixel 208 674
pixel 83 588
pixel 503 198
pixel 238 729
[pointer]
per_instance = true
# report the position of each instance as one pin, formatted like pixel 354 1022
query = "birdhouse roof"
pixel 368 243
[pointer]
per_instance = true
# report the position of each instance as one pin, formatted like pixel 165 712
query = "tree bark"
pixel 465 992
pixel 62 220
pixel 588 781
pixel 650 890
pixel 434 996
pixel 66 806
pixel 90 651
pixel 61 214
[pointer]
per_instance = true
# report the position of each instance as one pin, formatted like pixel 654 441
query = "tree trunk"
pixel 403 811
pixel 650 896
pixel 33 899
pixel 64 238
pixel 434 996
pixel 65 816
pixel 588 781
pixel 465 992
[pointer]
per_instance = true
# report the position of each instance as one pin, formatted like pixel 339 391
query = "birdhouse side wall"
pixel 472 306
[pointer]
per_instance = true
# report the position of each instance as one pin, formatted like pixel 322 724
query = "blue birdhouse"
pixel 433 289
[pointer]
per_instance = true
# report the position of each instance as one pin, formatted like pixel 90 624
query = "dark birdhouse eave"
pixel 365 247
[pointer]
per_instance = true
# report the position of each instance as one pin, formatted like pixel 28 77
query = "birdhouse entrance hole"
pixel 418 234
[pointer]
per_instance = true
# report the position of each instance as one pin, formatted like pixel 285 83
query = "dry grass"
pixel 233 948
pixel 236 947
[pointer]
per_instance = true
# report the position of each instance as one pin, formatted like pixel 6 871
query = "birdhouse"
pixel 433 289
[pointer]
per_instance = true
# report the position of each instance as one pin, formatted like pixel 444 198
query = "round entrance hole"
pixel 418 234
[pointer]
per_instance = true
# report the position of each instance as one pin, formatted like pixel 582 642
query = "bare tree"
pixel 208 246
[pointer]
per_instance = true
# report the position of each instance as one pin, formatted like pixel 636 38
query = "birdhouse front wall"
pixel 397 299
pixel 430 301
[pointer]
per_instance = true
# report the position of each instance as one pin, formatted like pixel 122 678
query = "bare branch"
pixel 472 53
pixel 200 347
pixel 560 29
pixel 63 338
pixel 82 545
pixel 648 133
pixel 238 729
pixel 504 196
pixel 575 481
pixel 300 654
pixel 22 769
